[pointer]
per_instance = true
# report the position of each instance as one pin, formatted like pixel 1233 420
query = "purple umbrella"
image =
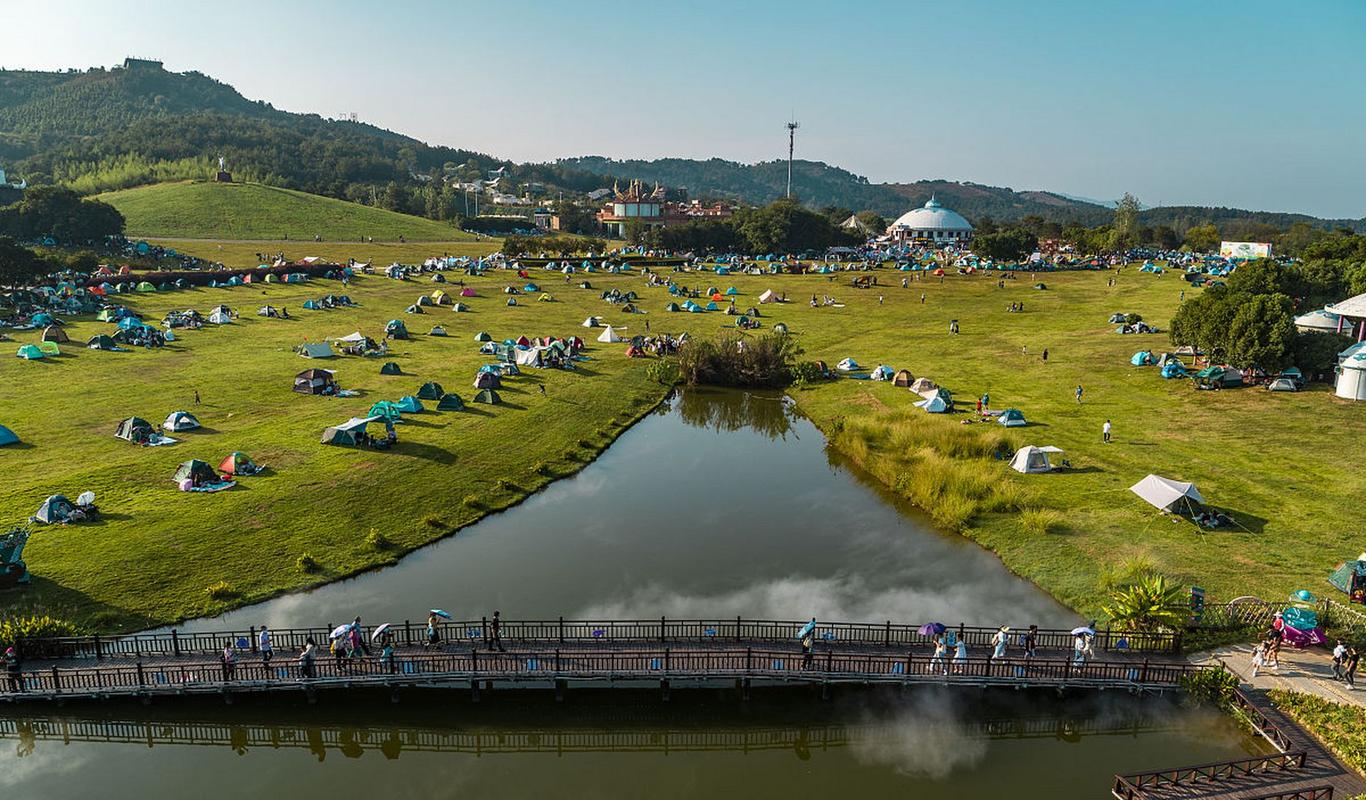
pixel 932 629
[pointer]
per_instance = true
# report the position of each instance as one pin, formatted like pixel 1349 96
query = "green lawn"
pixel 204 210
pixel 1282 463
pixel 244 254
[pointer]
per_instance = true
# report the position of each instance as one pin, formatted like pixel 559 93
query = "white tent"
pixel 1033 459
pixel 847 365
pixel 592 322
pixel 934 404
pixel 768 297
pixel 1165 493
pixel 608 335
pixel 319 350
pixel 353 338
pixel 220 317
pixel 180 421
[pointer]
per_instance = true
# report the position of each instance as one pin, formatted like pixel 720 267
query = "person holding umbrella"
pixel 935 630
pixel 999 640
pixel 433 632
pixel 1081 645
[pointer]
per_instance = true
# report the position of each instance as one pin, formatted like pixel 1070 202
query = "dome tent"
pixel 179 421
pixel 450 402
pixel 430 390
pixel 390 368
pixel 1031 459
pixel 238 463
pixel 1012 418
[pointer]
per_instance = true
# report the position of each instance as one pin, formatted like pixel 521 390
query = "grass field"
pixel 243 254
pixel 1281 463
pixel 236 211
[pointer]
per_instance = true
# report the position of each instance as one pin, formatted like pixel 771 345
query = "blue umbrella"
pixel 932 629
pixel 807 628
pixel 441 613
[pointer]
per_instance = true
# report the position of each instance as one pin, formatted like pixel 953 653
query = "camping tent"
pixel 101 341
pixel 437 330
pixel 1167 494
pixel 316 350
pixel 1033 459
pixel 487 380
pixel 220 317
pixel 460 307
pixel 450 402
pixel 1012 418
pixel 882 372
pixel 903 377
pixel 396 329
pixel 781 327
pixel 1142 358
pixel 52 333
pixel 180 421
pixel 409 404
pixel 483 336
pixel 314 381
pixel 134 429
pixel 430 391
pixel 386 410
pixel 349 433
pixel 390 368
pixel 487 396
pixel 54 510
pixel 847 365
pixel 30 352
pixel 609 335
pixel 935 403
pixel 7 436
pixel 768 296
pixel 238 463
pixel 924 386
pixel 196 472
pixel 1350 577
pixel 592 322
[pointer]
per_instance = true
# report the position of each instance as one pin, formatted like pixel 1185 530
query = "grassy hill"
pixel 199 210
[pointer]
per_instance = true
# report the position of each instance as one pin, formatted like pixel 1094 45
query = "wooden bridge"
pixel 562 653
pixel 1300 769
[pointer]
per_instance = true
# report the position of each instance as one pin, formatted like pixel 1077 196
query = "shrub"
pixel 1212 686
pixel 431 521
pixel 507 485
pixel 542 468
pixel 1151 603
pixel 663 372
pixel 763 361
pixel 1041 520
pixel 585 444
pixel 28 626
pixel 221 591
pixel 473 502
pixel 307 563
pixel 378 541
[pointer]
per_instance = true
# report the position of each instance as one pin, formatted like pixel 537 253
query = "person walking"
pixel 940 650
pixel 14 669
pixel 1045 355
pixel 1079 648
pixel 808 648
pixel 433 632
pixel 1078 393
pixel 386 656
pixel 960 656
pixel 1031 642
pixel 1349 672
pixel 1339 656
pixel 999 640
pixel 496 632
pixel 265 645
pixel 196 397
pixel 1273 648
pixel 306 658
pixel 229 661
pixel 922 298
pixel 1105 431
pixel 358 644
pixel 1258 657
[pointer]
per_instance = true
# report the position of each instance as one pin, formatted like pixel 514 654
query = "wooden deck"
pixel 1301 769
pixel 559 654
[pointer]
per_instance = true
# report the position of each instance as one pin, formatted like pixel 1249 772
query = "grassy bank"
pixel 1341 727
pixel 1276 461
pixel 244 254
pixel 206 210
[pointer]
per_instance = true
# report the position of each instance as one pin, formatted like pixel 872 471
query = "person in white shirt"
pixel 1339 655
pixel 999 640
pixel 1105 431
pixel 264 644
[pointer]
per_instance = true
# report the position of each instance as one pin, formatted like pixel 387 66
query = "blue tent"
pixel 1143 358
pixel 7 436
pixel 409 404
pixel 1173 369
pixel 1012 418
pixel 42 319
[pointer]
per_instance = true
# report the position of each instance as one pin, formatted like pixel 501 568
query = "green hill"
pixel 202 210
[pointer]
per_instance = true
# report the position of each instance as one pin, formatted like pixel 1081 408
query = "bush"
pixel 433 521
pixel 378 541
pixel 221 591
pixel 729 359
pixel 1041 520
pixel 307 563
pixel 473 502
pixel 1152 603
pixel 28 626
pixel 507 486
pixel 1132 319
pixel 1213 686
pixel 663 372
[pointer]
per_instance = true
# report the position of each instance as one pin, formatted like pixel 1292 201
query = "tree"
pixel 1165 238
pixel 19 266
pixel 1125 230
pixel 1203 320
pixel 1203 238
pixel 61 214
pixel 1317 353
pixel 1008 245
pixel 1262 333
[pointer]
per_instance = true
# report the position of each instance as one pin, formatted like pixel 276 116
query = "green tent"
pixel 430 391
pixel 483 336
pixel 488 396
pixel 409 404
pixel 49 348
pixel 30 352
pixel 146 286
pixel 671 307
pixel 390 368
pixel 450 402
pixel 196 471
pixel 385 409
pixel 8 436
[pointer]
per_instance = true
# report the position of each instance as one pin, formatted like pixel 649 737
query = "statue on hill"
pixel 223 175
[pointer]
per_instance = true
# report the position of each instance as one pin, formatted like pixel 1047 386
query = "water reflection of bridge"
pixel 353 741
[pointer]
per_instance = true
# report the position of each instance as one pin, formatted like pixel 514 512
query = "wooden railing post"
pixel 666 660
pixel 662 637
pixel 737 628
pixel 175 642
pixel 56 680
pixel 408 633
pixel 887 634
pixel 1143 677
pixel 252 638
pixel 749 660
pixel 98 654
pixel 474 660
pixel 561 639
pixel 141 680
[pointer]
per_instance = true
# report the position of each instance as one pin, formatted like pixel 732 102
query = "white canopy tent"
pixel 1166 494
pixel 608 335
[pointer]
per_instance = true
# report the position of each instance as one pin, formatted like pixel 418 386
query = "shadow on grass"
pixel 1088 470
pixel 471 408
pixel 428 452
pixel 19 446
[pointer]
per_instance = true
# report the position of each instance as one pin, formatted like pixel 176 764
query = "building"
pixel 1351 320
pixel 651 209
pixel 931 224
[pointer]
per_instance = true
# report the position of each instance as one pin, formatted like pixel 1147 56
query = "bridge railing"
pixel 622 664
pixel 1132 787
pixel 564 631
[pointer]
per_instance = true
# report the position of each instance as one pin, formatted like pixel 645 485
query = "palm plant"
pixel 1150 603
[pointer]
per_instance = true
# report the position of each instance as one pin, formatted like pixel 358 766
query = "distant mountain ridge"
pixel 107 129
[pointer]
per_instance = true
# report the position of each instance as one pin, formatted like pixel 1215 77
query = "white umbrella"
pixel 340 631
pixel 1083 630
pixel 378 632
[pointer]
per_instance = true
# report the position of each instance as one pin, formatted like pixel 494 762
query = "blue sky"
pixel 1251 104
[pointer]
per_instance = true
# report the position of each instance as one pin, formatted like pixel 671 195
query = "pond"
pixel 721 504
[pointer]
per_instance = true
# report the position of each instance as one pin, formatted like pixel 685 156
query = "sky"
pixel 1251 104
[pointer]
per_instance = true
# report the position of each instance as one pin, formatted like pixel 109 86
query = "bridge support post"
pixel 664 689
pixel 142 681
pixel 825 690
pixel 252 638
pixel 98 653
pixel 560 687
pixel 474 691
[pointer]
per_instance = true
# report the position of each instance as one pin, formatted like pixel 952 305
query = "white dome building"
pixel 931 224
